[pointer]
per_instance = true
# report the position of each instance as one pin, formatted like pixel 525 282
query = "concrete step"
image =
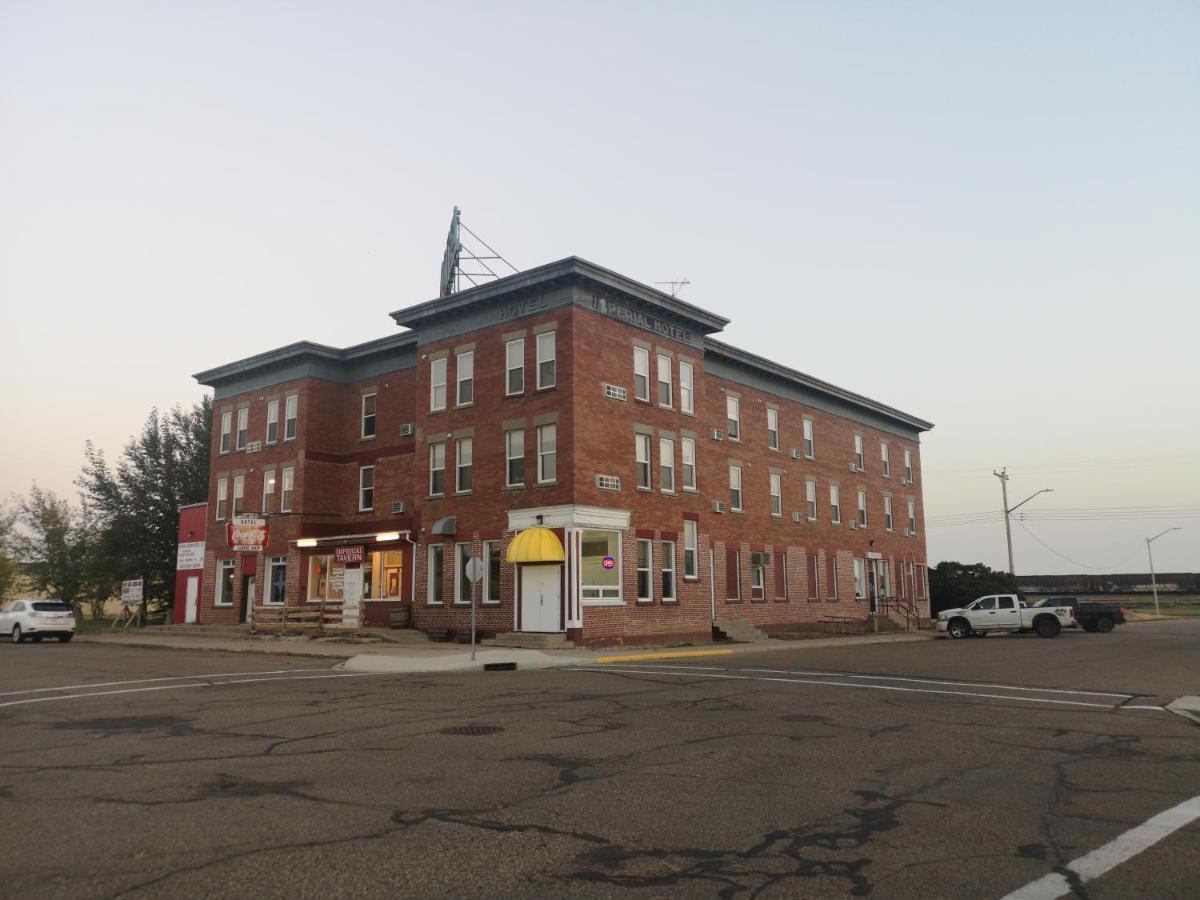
pixel 529 640
pixel 884 623
pixel 738 630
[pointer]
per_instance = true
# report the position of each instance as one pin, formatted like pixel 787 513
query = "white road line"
pixel 1120 849
pixel 73 687
pixel 1007 687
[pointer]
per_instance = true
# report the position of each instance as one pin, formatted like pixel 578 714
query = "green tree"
pixel 954 584
pixel 9 569
pixel 52 544
pixel 136 502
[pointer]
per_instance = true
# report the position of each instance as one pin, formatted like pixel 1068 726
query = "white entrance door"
pixel 250 579
pixel 541 594
pixel 193 595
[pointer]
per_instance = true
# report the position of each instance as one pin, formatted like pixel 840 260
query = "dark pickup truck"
pixel 1101 617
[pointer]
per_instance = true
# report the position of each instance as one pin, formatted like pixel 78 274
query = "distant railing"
pixel 900 607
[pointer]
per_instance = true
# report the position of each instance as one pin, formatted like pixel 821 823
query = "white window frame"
pixel 291 416
pixel 908 466
pixel 912 517
pixel 515 347
pixel 888 521
pixel 687 394
pixel 831 586
pixel 860 579
pixel 226 432
pixel 462 586
pixel 687 448
pixel 510 457
pixel 860 461
pixel 268 491
pixel 542 454
pixel 222 499
pixel 434 449
pixel 366 492
pixel 437 384
pixel 810 444
pixel 772 428
pixel 735 490
pixel 433 567
pixel 666 465
pixel 647 571
pixel 544 340
pixel 371 416
pixel 488 548
pixel 667 564
pixel 238 496
pixel 733 418
pixel 810 499
pixel 643 474
pixel 272 435
pixel 226 566
pixel 243 428
pixel 862 509
pixel 668 383
pixel 641 374
pixel 605 595
pixel 276 562
pixel 776 494
pixel 287 488
pixel 464 361
pixel 835 504
pixel 466 444
pixel 691 545
pixel 885 459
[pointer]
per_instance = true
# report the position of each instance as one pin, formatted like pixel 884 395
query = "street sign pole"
pixel 474 570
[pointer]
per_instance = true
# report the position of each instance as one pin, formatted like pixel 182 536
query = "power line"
pixel 1075 562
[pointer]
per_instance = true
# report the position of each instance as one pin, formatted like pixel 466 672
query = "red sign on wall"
pixel 346 555
pixel 247 534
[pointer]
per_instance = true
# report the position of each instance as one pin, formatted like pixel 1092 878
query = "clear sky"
pixel 986 214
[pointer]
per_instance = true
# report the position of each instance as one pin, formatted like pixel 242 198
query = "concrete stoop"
pixel 739 630
pixel 527 640
pixel 884 622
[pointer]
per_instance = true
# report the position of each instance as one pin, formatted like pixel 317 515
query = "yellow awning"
pixel 536 545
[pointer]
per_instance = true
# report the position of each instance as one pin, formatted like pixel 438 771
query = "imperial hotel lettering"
pixel 641 320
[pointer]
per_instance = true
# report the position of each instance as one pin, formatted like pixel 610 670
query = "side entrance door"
pixel 541 598
pixel 193 595
pixel 248 597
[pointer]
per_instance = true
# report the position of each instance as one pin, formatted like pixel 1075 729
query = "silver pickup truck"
pixel 1004 612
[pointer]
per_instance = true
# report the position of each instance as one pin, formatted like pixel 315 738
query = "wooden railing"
pixel 299 618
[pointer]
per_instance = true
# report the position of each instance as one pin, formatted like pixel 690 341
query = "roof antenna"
pixel 456 251
pixel 675 285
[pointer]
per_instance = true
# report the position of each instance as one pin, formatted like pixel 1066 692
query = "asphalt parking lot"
pixel 944 768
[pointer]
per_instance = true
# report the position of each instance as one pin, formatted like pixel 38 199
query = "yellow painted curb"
pixel 682 654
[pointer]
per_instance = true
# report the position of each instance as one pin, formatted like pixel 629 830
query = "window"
pixel 462 475
pixel 691 549
pixel 883 573
pixel 687 397
pixel 862 509
pixel 290 411
pixel 809 446
pixel 781 590
pixel 912 516
pixel 687 447
pixel 668 571
pixel 491 575
pixel 239 494
pixel 225 585
pixel 888 522
pixel 434 574
pixel 383 574
pixel 464 373
pixel 859 462
pixel 641 374
pixel 226 428
pixel 514 454
pixel 860 579
pixel 776 494
pixel 645 560
pixel 814 577
pixel 366 488
pixel 272 421
pixel 666 465
pixel 437 468
pixel 919 582
pixel 810 498
pixel 835 504
pixel 437 384
pixel 368 415
pixel 885 459
pixel 641 444
pixel 733 414
pixel 268 500
pixel 277 585
pixel 325 578
pixel 287 488
pixel 772 428
pixel 547 371
pixel 908 473
pixel 222 494
pixel 243 429
pixel 599 582
pixel 462 584
pixel 735 488
pixel 758 575
pixel 514 365
pixel 831 578
pixel 665 390
pixel 547 444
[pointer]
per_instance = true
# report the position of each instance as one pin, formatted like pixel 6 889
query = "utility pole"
pixel 1008 511
pixel 1150 554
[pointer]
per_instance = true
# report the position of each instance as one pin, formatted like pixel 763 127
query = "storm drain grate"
pixel 472 730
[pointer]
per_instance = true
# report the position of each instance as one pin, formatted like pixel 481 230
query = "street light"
pixel 1149 553
pixel 1003 476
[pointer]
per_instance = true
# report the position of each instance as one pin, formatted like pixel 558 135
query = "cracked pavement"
pixel 622 782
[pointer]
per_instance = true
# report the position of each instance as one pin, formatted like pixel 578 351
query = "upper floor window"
pixel 888 522
pixel 222 495
pixel 912 516
pixel 668 571
pixel 859 462
pixel 547 365
pixel 435 576
pixel 226 430
pixel 885 459
pixel 687 449
pixel 287 488
pixel 463 470
pixel 642 458
pixel 687 397
pixel 776 494
pixel 243 429
pixel 691 549
pixel 464 373
pixel 734 416
pixel 291 407
pixel 272 421
pixel 239 494
pixel 908 472
pixel 366 488
pixel 368 415
pixel 862 508
pixel 437 469
pixel 772 428
pixel 514 454
pixel 809 445
pixel 547 446
pixel 437 384
pixel 666 465
pixel 641 373
pixel 514 367
pixel 268 498
pixel 664 381
pixel 835 504
pixel 810 498
pixel 735 488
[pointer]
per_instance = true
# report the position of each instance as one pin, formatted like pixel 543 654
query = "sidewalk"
pixel 434 657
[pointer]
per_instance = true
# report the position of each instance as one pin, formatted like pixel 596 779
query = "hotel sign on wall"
pixel 247 534
pixel 632 316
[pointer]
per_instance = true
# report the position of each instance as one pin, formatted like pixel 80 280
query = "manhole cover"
pixel 472 730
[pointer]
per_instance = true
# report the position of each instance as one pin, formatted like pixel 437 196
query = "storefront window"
pixel 383 575
pixel 278 579
pixel 325 578
pixel 600 583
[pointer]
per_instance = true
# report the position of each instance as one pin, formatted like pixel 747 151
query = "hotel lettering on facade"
pixel 624 476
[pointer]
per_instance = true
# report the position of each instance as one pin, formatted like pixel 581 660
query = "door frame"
pixel 191 609
pixel 523 624
pixel 249 592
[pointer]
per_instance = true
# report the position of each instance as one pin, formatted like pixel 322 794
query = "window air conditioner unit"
pixel 798 518
pixel 254 446
pixel 718 506
pixel 906 481
pixel 615 392
pixel 853 467
pixel 761 559
pixel 908 532
pixel 406 430
pixel 398 507
pixel 853 525
pixel 718 434
pixel 608 482
pixel 795 453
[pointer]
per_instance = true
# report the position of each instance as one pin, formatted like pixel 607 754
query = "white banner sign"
pixel 191 556
pixel 131 592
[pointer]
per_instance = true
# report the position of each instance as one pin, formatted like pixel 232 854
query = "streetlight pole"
pixel 1150 554
pixel 1003 476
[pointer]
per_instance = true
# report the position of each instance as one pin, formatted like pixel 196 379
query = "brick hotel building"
pixel 624 476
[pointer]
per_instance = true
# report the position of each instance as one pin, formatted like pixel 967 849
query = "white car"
pixel 36 619
pixel 1005 612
